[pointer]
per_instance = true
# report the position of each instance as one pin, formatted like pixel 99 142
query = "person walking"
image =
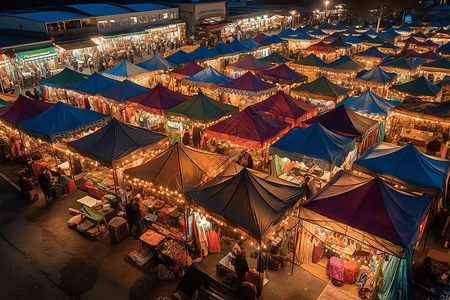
pixel 134 217
pixel 18 154
pixel 45 181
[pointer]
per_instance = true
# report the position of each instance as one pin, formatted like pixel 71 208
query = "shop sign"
pixel 203 11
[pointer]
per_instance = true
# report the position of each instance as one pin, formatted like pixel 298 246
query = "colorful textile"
pixel 213 242
pixel 349 271
pixel 152 238
pixel 335 269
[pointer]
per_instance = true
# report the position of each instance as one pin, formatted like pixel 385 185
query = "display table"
pixel 350 271
pixel 88 201
pixel 335 269
pixel 152 238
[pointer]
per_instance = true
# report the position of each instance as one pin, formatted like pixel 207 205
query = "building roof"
pixel 145 6
pixel 50 16
pixel 101 9
pixel 11 41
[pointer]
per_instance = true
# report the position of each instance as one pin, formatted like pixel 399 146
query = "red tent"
pixel 282 74
pixel 287 108
pixel 428 56
pixel 261 37
pixel 249 128
pixel 157 100
pixel 321 47
pixel 251 63
pixel 23 109
pixel 247 83
pixel 189 70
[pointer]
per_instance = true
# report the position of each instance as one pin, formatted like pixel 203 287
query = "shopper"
pixel 27 189
pixel 241 266
pixel 134 217
pixel 18 154
pixel 45 181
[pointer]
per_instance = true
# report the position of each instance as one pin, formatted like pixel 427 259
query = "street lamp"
pixel 326 8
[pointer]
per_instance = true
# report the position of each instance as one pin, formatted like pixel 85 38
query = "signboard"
pixel 203 11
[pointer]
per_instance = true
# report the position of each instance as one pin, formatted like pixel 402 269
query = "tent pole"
pixel 115 185
pixel 295 248
pixel 72 173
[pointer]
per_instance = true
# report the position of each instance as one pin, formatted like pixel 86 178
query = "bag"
pixel 275 262
pixel 69 186
pixel 63 179
pixel 252 276
pixel 118 229
pixel 248 291
pixel 57 191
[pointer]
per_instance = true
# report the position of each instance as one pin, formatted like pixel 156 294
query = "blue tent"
pixel 339 26
pixel 388 35
pixel 405 166
pixel 236 47
pixel 377 75
pixel 156 63
pixel 249 199
pixel 124 70
pixel 209 76
pixel 326 26
pixel 299 30
pixel 351 39
pixel 364 37
pixel 93 84
pixel 272 40
pixel 444 48
pixel 251 43
pixel 62 121
pixel 435 24
pixel 118 142
pixel 318 32
pixel 314 144
pixel 345 63
pixel 219 48
pixel 403 28
pixel 373 52
pixel 369 103
pixel 202 53
pixel 124 90
pixel 179 57
pixel 371 32
pixel 286 33
pixel 303 36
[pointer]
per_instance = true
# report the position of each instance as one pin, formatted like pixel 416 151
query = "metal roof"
pixel 145 6
pixel 100 9
pixel 50 16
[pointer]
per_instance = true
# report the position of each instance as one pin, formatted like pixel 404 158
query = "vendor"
pixel 423 272
pixel 134 217
pixel 433 146
pixel 241 266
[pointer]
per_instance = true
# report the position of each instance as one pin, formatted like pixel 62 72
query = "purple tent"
pixel 282 74
pixel 369 211
pixel 247 83
pixel 23 109
pixel 251 63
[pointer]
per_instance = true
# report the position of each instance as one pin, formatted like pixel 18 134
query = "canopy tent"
pixel 321 89
pixel 345 64
pixel 64 78
pixel 435 24
pixel 389 36
pixel 251 200
pixel 376 41
pixel 418 87
pixel 389 46
pixel 189 70
pixel 250 63
pixel 339 43
pixel 444 81
pixel 444 49
pixel 236 47
pixel 438 111
pixel 272 40
pixel 335 36
pixel 308 27
pixel 261 37
pixel 249 128
pixel 179 57
pixel 429 56
pixel 93 84
pixel 365 37
pixel 376 76
pixel 286 108
pixel 420 35
pixel 370 103
pixel 117 143
pixel 23 109
pixel 156 63
pixel 157 100
pixel 220 48
pixel 299 30
pixel 321 47
pixel 405 166
pixel 3 103
pixel 368 211
pixel 351 39
pixel 286 33
pixel 275 58
pixel 415 24
pixel 302 36
pixel 248 84
pixel 124 70
pixel 350 31
pixel 282 74
pixel 318 33
pixel 310 61
pixel 371 32
pixel 124 90
pixel 251 43
pixel 314 144
pixel 372 52
pixel 344 121
pixel 180 168
pixel 403 28
pixel 326 26
pixel 399 65
pixel 202 109
pixel 339 26
pixel 442 66
pixel 202 53
pixel 62 121
pixel 207 77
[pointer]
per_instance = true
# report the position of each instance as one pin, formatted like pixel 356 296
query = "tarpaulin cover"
pixel 202 53
pixel 439 64
pixel 314 144
pixel 62 121
pixel 370 103
pixel 350 31
pixel 403 28
pixel 156 63
pixel 117 142
pixel 371 32
pixel 377 75
pixel 406 166
pixel 420 87
pixel 236 47
pixel 158 99
pixel 220 48
pixel 300 30
pixel 321 47
pixel 261 37
pixel 275 58
pixel 311 60
pixel 345 121
pixel 444 48
pixel 335 36
pixel 326 26
pixel 64 78
pixel 201 108
pixel 124 70
pixel 303 36
pixel 251 43
pixel 369 211
pixel 286 108
pixel 286 33
pixel 249 128
pixel 179 57
pixel 372 52
pixel 92 213
pixel 3 103
pixel 248 82
pixel 209 75
pixel 124 90
pixel 353 40
pixel 365 37
pixel 420 34
pixel 23 109
pixel 251 200
pixel 422 108
pixel 283 73
pixel 339 26
pixel 180 168
pixel 93 84
pixel 435 24
pixel 272 40
pixel 251 63
pixel 322 86
pixel 339 43
pixel 401 63
pixel 189 70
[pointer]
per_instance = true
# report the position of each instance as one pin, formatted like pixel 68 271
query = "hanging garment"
pixel 213 241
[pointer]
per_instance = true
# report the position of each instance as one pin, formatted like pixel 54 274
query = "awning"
pixel 77 45
pixel 37 53
pixel 121 34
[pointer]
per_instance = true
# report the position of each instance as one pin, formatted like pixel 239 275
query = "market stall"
pixel 321 93
pixel 429 56
pixel 275 43
pixel 203 54
pixel 403 67
pixel 122 91
pixel 334 36
pixel 371 57
pixel 299 42
pixel 389 48
pixel 419 88
pixel 208 80
pixel 283 75
pixel 246 90
pixel 390 36
pixel 260 50
pixel 324 51
pixel 343 70
pixel 200 111
pixel 248 63
pixel 420 36
pixel 275 58
pixel 129 71
pixel 310 66
pixel 440 36
pixel 344 121
pixel 342 47
pixel 93 84
pixel 313 152
pixel 189 69
pixel 377 80
pixel 158 67
pixel 53 88
pixel 435 70
pixel 179 57
pixel 327 27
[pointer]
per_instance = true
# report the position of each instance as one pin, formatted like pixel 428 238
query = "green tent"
pixel 276 58
pixel 3 103
pixel 308 28
pixel 323 87
pixel 376 41
pixel 401 63
pixel 35 53
pixel 339 43
pixel 438 64
pixel 201 108
pixel 311 61
pixel 418 87
pixel 92 214
pixel 64 78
